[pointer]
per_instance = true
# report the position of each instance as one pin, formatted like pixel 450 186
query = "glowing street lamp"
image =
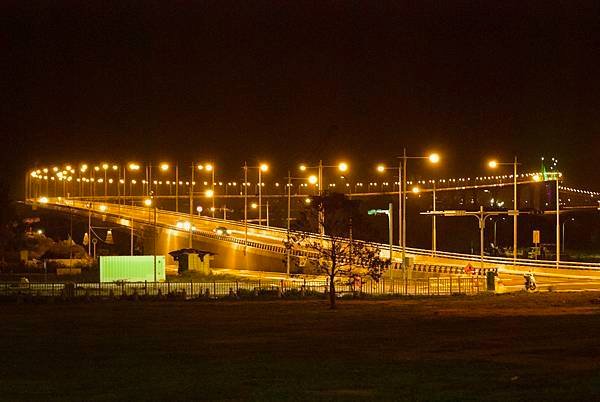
pixel 262 167
pixel 342 167
pixel 493 164
pixel 209 167
pixel 433 158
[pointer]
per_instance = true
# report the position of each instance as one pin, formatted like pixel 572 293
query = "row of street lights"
pixel 312 179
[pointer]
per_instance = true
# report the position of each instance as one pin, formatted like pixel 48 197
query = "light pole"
pixel 515 212
pixel 342 167
pixel 563 233
pixel 557 221
pixel 151 202
pixel 402 174
pixel 387 212
pixel 256 206
pixel 164 167
pixel 105 168
pixel 191 191
pixel 312 180
pixel 263 167
pixel 434 226
pixel 209 167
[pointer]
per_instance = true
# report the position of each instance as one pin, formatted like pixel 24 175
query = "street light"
pixel 165 167
pixel 255 206
pixel 563 232
pixel 209 167
pixel 387 212
pixel 493 164
pixel 433 158
pixel 342 167
pixel 105 168
pixel 262 167
pixel 149 202
pixel 311 179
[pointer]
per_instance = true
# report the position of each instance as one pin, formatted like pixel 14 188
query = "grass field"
pixel 508 347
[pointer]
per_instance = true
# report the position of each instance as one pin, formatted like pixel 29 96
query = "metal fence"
pixel 417 287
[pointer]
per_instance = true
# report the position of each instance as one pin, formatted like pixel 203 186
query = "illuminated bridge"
pixel 110 193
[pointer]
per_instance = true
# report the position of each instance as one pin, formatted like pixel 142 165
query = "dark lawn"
pixel 542 347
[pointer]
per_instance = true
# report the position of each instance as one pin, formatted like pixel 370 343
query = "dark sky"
pixel 291 81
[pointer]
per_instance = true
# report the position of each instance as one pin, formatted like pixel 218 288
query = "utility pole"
pixel 557 222
pixel 289 207
pixel 176 187
pixel 516 208
pixel 246 206
pixel 190 237
pixel 434 228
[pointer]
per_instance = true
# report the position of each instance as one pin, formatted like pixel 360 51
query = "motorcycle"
pixel 529 281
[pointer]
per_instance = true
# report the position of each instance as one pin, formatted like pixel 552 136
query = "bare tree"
pixel 325 232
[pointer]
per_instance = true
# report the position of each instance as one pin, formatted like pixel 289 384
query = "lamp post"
pixel 433 158
pixel 209 167
pixel 256 206
pixel 434 226
pixel 342 167
pixel 165 167
pixel 151 202
pixel 105 168
pixel 262 168
pixel 387 212
pixel 557 221
pixel 563 233
pixel 382 168
pixel 515 212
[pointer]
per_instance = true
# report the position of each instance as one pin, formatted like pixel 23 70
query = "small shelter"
pixel 191 259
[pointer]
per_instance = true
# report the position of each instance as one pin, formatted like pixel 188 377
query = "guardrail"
pixel 258 229
pixel 280 288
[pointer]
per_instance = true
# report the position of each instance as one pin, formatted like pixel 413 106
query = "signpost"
pixel 387 212
pixel 480 215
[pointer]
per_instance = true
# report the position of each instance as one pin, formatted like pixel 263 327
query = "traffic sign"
pixel 378 211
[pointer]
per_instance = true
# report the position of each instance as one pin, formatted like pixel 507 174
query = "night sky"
pixel 299 81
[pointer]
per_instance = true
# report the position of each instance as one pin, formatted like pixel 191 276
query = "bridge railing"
pixel 258 229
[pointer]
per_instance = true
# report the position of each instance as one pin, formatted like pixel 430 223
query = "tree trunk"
pixel 331 292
